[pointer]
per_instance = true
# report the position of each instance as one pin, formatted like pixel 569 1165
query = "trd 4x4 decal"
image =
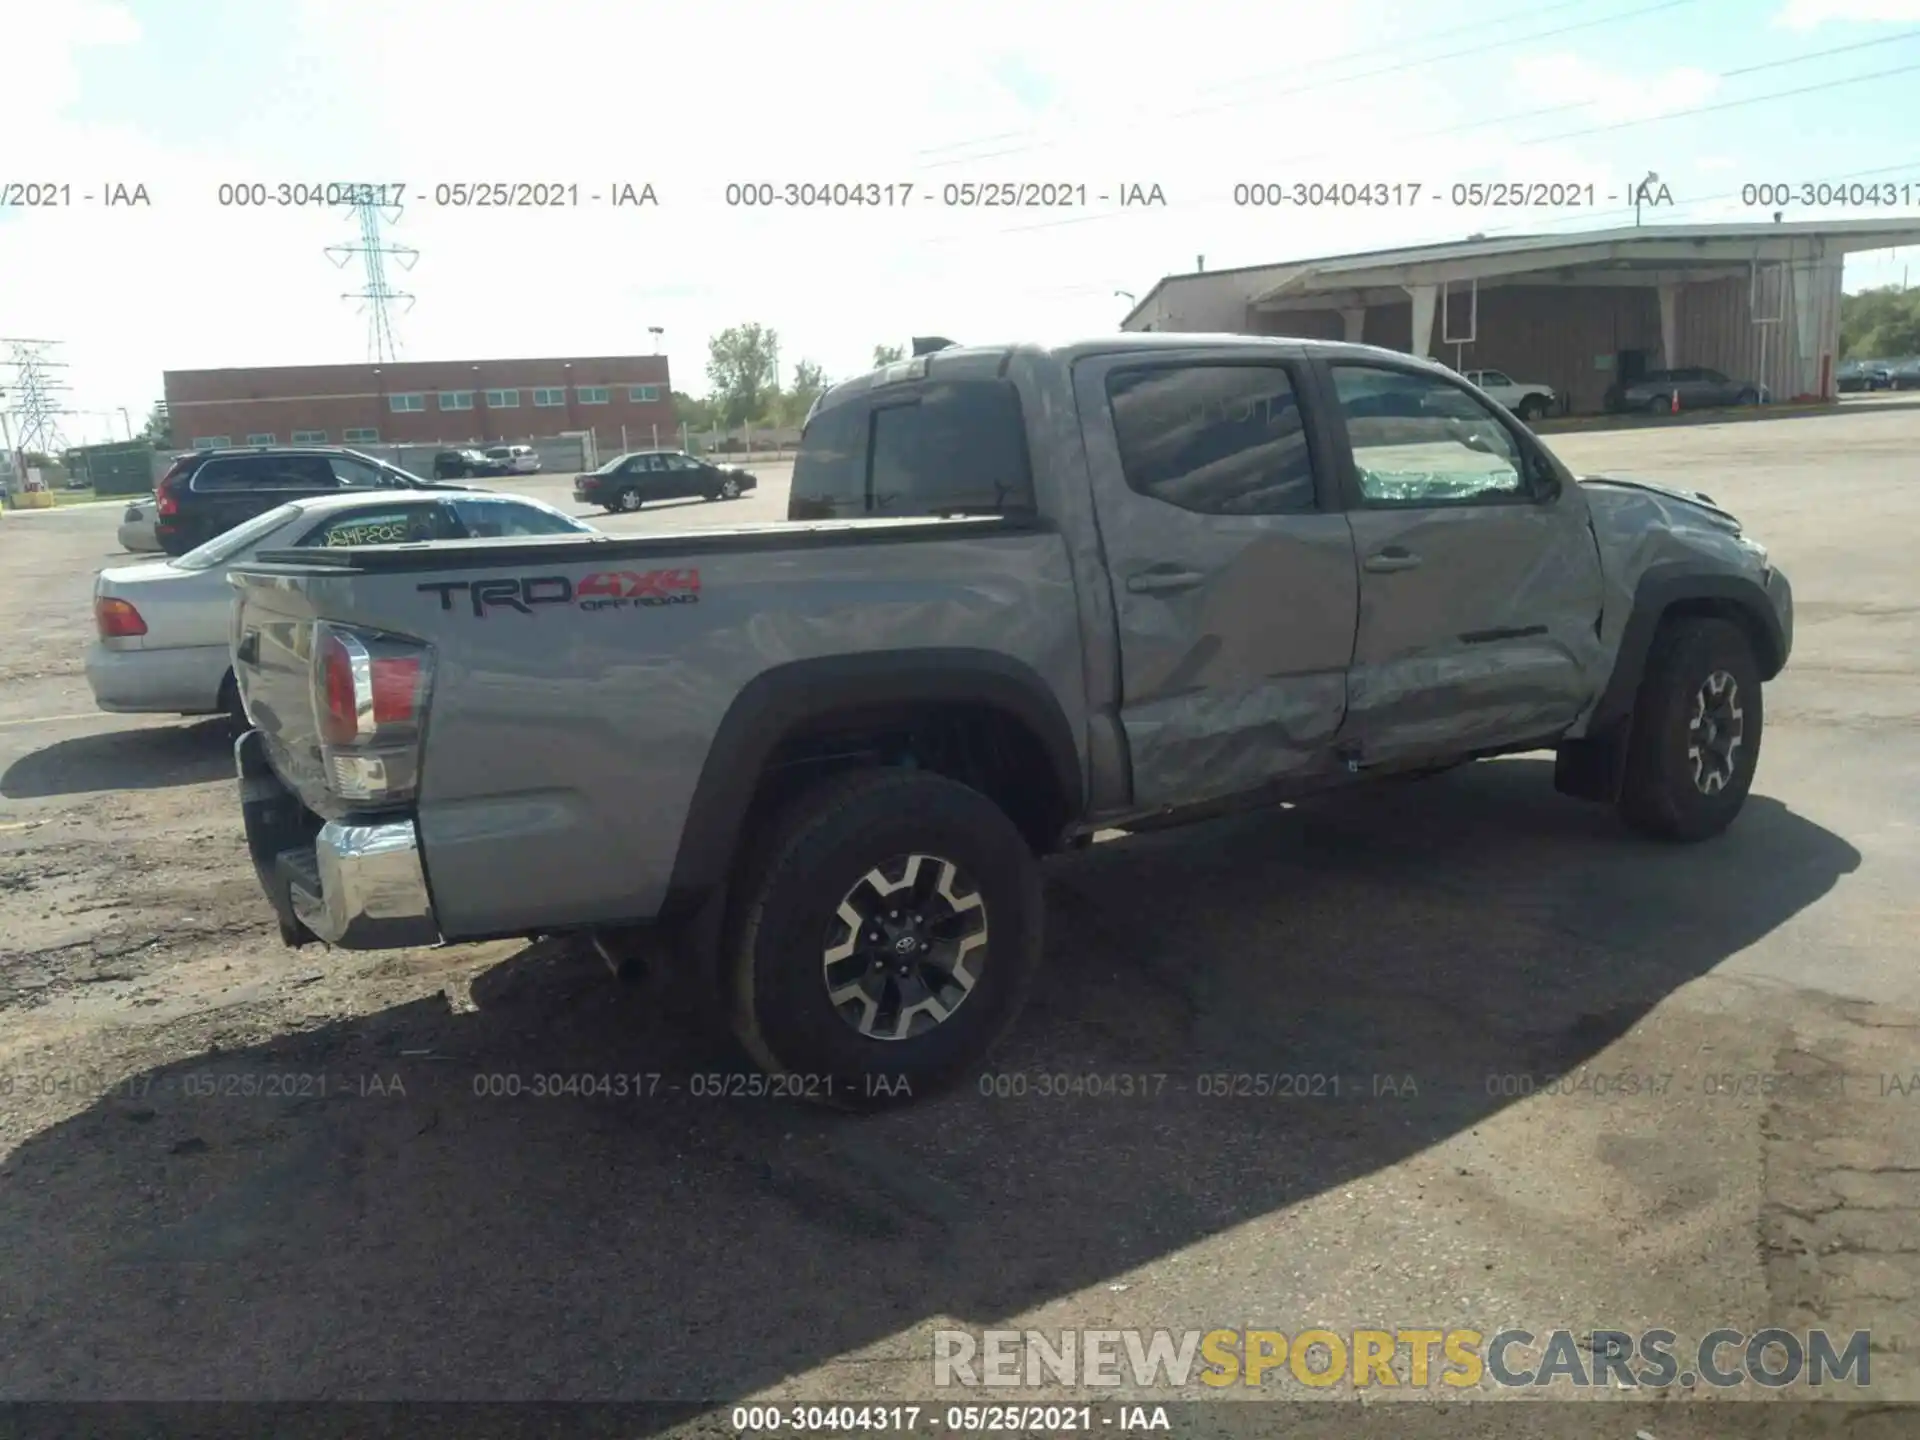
pixel 602 590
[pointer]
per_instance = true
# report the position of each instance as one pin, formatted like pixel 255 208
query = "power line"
pixel 1431 36
pixel 1512 116
pixel 1714 108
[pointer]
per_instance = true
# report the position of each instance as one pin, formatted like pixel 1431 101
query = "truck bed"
pixel 582 687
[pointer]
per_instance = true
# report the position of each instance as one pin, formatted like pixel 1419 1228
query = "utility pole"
pixel 376 295
pixel 10 482
pixel 36 393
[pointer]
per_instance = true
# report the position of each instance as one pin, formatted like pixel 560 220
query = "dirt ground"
pixel 233 1171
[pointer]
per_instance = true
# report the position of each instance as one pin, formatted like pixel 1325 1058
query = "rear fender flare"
pixel 778 702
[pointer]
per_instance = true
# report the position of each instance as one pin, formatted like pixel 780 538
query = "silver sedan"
pixel 136 528
pixel 162 625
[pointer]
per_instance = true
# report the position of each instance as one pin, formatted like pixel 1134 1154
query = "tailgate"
pixel 272 636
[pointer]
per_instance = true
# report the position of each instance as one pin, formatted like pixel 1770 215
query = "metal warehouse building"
pixel 1576 312
pixel 619 400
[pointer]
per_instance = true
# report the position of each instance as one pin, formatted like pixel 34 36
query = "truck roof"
pixel 990 361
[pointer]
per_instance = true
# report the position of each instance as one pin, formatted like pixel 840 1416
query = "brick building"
pixel 425 402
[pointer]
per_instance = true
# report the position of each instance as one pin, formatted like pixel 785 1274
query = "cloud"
pixel 43 41
pixel 1810 14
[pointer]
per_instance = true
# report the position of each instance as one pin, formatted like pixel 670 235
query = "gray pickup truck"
pixel 1025 594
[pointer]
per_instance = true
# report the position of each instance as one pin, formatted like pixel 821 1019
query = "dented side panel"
pixel 1492 638
pixel 1235 631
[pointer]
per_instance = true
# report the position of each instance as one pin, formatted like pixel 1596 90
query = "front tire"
pixel 730 489
pixel 946 893
pixel 1531 409
pixel 1694 740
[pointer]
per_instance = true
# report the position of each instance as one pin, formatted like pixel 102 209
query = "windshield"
pixel 224 547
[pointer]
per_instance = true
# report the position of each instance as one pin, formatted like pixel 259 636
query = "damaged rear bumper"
pixel 358 884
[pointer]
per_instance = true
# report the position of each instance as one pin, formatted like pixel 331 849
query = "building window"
pixel 211 442
pixel 503 399
pixel 643 394
pixel 401 404
pixel 309 437
pixel 593 394
pixel 261 439
pixel 362 437
pixel 456 399
pixel 549 397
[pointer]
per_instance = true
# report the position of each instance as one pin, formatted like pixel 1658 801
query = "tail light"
pixel 167 493
pixel 117 619
pixel 369 701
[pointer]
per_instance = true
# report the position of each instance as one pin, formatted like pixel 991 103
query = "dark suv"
pixel 454 464
pixel 210 491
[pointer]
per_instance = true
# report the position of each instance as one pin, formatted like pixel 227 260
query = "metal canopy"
pixel 1638 256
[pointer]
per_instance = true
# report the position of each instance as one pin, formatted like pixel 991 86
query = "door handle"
pixel 1160 582
pixel 1392 558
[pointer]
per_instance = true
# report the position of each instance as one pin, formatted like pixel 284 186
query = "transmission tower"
pixel 33 395
pixel 376 296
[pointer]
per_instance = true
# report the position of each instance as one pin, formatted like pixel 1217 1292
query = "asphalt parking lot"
pixel 229 1170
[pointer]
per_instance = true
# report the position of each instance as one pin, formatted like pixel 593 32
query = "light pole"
pixel 1640 194
pixel 127 421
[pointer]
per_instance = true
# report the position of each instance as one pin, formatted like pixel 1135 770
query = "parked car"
pixel 137 527
pixel 820 761
pixel 1856 376
pixel 1698 388
pixel 1904 375
pixel 515 459
pixel 1526 399
pixel 208 492
pixel 629 481
pixel 466 464
pixel 163 627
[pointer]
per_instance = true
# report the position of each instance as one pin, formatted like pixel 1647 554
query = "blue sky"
pixel 1193 98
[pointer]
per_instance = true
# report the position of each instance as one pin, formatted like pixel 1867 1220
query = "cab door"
pixel 1480 585
pixel 1231 563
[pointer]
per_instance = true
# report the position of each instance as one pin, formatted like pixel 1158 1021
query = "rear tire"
pixel 628 501
pixel 1694 740
pixel 854 845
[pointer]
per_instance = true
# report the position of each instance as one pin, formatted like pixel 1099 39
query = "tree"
pixel 1880 324
pixel 159 426
pixel 887 354
pixel 697 415
pixel 742 370
pixel 809 383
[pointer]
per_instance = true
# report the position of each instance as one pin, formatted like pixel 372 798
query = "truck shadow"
pixel 152 757
pixel 416 1231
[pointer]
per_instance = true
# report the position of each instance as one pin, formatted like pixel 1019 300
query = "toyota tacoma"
pixel 1024 594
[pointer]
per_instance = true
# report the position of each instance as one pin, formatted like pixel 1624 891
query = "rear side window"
pixel 400 525
pixel 495 519
pixel 1214 439
pixel 830 472
pixel 265 472
pixel 943 449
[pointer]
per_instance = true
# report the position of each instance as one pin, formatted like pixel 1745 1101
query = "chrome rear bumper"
pixel 356 884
